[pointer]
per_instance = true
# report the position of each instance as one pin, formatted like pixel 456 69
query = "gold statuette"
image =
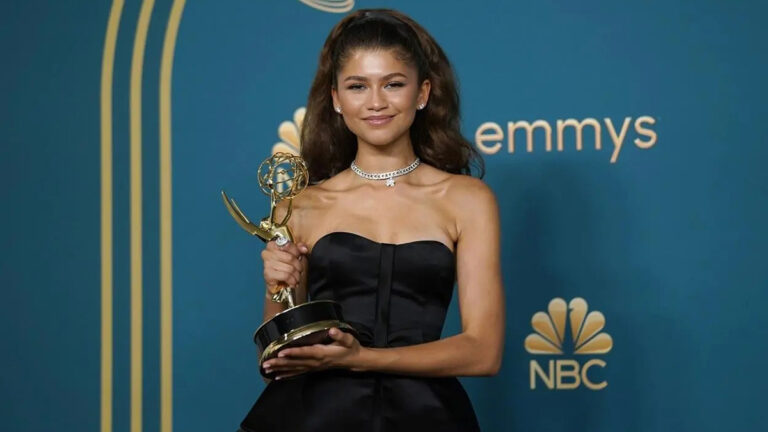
pixel 283 176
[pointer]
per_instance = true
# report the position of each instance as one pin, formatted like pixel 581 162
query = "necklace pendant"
pixel 390 182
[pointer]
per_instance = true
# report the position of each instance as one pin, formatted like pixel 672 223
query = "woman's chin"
pixel 378 138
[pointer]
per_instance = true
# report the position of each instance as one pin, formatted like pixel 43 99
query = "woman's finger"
pixel 303 248
pixel 282 257
pixel 289 247
pixel 275 269
pixel 273 278
pixel 291 374
pixel 288 364
pixel 289 277
pixel 312 352
pixel 341 337
pixel 282 267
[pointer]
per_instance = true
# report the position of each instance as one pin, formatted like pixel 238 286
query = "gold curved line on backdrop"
pixel 137 66
pixel 332 6
pixel 107 68
pixel 166 261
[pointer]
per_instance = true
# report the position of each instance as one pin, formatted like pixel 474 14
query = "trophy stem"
pixel 287 296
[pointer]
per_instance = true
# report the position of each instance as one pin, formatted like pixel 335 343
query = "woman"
pixel 390 222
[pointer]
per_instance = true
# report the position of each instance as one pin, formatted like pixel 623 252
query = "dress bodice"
pixel 393 294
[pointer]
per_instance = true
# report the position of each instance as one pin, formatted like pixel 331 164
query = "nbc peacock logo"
pixel 549 338
pixel 290 135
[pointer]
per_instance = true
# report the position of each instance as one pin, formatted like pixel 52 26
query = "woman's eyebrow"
pixel 362 78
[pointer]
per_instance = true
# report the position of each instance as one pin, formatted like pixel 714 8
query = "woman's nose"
pixel 377 100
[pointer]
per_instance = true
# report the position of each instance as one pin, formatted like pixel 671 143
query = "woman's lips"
pixel 378 120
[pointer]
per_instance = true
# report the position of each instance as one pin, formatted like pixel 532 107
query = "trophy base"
pixel 305 324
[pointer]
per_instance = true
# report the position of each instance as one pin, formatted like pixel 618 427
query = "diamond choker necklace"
pixel 388 176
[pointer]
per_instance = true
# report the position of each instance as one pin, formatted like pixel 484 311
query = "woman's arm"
pixel 477 350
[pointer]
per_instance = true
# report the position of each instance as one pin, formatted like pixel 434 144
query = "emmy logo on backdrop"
pixel 283 176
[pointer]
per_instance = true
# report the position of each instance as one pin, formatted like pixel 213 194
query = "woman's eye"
pixel 394 84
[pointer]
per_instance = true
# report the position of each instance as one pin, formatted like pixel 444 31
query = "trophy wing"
pixel 240 217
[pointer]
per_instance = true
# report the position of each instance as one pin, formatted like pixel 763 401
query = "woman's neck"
pixel 376 159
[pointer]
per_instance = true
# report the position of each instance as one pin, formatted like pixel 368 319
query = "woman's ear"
pixel 335 99
pixel 424 90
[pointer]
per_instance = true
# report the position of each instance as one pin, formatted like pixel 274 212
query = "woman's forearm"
pixel 459 355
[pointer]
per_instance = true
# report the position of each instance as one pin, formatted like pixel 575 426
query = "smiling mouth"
pixel 378 120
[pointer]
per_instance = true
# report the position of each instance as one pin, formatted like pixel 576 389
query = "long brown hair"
pixel 328 146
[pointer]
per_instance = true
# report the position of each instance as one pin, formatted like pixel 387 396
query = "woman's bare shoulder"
pixel 469 195
pixel 321 194
pixel 456 186
pixel 461 184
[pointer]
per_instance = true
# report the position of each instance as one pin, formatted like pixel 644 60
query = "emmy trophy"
pixel 282 177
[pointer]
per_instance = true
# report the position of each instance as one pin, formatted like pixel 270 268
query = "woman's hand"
pixel 344 352
pixel 283 264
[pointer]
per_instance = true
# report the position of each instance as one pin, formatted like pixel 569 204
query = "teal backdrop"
pixel 668 241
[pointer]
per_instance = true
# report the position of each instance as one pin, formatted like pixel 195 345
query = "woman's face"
pixel 378 95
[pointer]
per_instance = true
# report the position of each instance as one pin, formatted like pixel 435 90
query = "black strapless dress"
pixel 393 295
